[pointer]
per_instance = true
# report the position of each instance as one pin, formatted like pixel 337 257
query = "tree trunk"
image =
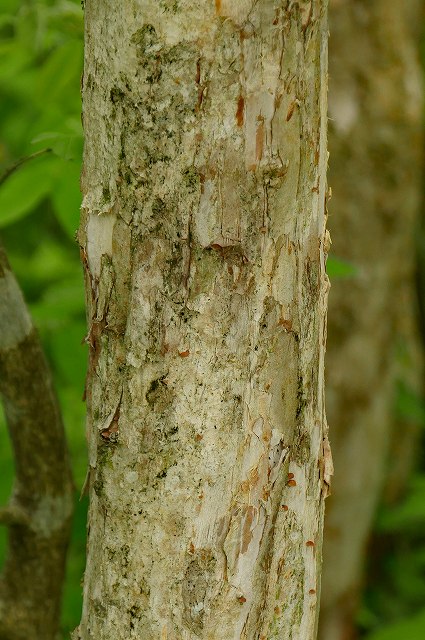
pixel 203 240
pixel 38 516
pixel 375 111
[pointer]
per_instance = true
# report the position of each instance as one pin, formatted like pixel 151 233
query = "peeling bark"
pixel 38 516
pixel 375 108
pixel 202 235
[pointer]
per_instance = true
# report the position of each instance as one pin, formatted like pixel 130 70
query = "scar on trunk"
pixel 259 138
pixel 240 111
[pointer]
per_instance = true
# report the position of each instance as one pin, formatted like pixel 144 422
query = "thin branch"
pixel 13 514
pixel 20 162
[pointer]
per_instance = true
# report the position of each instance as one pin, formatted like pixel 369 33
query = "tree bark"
pixel 375 108
pixel 203 240
pixel 38 516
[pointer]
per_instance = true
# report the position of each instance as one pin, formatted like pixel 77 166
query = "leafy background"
pixel 41 46
pixel 40 68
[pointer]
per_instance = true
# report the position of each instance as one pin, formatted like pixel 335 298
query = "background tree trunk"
pixel 38 515
pixel 203 242
pixel 375 175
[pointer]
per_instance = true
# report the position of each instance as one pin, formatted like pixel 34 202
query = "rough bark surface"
pixel 375 108
pixel 202 234
pixel 38 516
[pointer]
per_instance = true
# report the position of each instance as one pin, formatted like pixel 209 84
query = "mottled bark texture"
pixel 39 513
pixel 202 234
pixel 375 108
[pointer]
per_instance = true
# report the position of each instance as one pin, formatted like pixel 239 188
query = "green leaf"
pixel 48 263
pixel 61 302
pixel 410 629
pixel 59 79
pixel 337 268
pixel 410 405
pixel 10 5
pixel 13 61
pixel 67 145
pixel 66 197
pixel 24 189
pixel 69 354
pixel 410 513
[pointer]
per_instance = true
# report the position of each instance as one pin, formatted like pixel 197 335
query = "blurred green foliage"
pixel 337 268
pixel 394 596
pixel 394 590
pixel 41 53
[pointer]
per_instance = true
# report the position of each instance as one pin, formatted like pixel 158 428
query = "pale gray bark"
pixel 375 108
pixel 203 239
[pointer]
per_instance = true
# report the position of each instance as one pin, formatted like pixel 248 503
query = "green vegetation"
pixel 337 268
pixel 41 46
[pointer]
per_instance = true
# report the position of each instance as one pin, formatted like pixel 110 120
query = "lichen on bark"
pixel 206 127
